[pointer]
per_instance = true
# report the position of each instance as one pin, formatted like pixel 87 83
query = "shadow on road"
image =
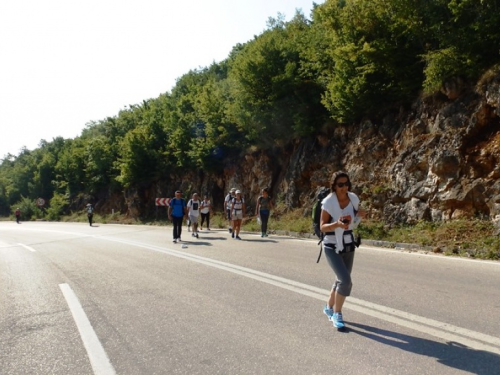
pixel 258 240
pixel 209 238
pixel 451 354
pixel 196 243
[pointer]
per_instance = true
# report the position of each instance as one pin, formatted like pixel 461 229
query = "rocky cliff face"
pixel 437 161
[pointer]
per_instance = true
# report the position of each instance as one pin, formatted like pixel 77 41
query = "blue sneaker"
pixel 328 312
pixel 338 321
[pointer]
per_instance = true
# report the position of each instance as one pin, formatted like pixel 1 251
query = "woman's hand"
pixel 344 222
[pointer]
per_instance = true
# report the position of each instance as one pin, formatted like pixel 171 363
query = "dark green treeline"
pixel 354 59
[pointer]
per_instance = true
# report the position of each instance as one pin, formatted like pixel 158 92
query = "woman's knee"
pixel 344 287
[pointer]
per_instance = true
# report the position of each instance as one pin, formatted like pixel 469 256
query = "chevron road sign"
pixel 162 201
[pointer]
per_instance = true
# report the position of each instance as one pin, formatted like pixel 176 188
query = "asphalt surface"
pixel 112 299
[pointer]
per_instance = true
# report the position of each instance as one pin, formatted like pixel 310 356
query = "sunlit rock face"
pixel 438 160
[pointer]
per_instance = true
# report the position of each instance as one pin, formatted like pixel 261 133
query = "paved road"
pixel 116 299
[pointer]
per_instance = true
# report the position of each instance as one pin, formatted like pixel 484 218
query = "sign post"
pixel 163 202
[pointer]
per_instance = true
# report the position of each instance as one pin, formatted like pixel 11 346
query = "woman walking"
pixel 340 214
pixel 206 208
pixel 237 212
pixel 263 210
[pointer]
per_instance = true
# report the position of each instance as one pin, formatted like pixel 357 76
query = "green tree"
pixel 274 99
pixel 375 63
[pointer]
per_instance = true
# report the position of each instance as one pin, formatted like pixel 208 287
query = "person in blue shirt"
pixel 176 211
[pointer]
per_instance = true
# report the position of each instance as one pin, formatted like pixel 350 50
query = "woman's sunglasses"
pixel 342 184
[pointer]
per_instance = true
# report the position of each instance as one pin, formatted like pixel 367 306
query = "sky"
pixel 65 63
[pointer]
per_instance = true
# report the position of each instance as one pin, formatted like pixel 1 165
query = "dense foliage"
pixel 354 59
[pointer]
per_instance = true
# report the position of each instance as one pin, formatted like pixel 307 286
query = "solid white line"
pixel 97 356
pixel 428 326
pixel 27 247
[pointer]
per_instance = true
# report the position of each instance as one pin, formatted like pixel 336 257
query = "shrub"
pixel 58 204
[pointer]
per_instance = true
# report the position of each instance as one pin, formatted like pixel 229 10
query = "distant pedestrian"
pixel 206 209
pixel 18 215
pixel 227 203
pixel 263 210
pixel 237 213
pixel 90 213
pixel 194 213
pixel 176 212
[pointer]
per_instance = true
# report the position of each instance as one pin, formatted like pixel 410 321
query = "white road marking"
pixel 27 247
pixel 97 356
pixel 447 332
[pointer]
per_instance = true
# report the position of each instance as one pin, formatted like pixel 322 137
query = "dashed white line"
pixel 98 358
pixel 27 247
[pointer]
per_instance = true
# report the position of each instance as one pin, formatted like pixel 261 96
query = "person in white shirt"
pixel 237 213
pixel 206 208
pixel 340 214
pixel 193 207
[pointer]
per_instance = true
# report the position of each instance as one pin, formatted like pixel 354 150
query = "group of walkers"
pixel 235 211
pixel 340 214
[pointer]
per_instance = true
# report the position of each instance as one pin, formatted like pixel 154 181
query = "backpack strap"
pixel 320 243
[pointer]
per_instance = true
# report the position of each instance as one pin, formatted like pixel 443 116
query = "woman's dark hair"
pixel 265 190
pixel 336 176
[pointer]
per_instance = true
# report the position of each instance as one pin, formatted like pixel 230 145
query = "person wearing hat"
pixel 90 212
pixel 237 210
pixel 227 202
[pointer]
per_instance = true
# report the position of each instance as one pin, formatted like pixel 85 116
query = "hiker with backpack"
pixel 227 204
pixel 90 213
pixel 237 212
pixel 193 213
pixel 263 210
pixel 176 212
pixel 340 214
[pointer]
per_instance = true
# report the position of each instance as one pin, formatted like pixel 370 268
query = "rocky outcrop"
pixel 437 161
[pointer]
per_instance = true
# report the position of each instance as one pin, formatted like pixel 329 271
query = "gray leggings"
pixel 341 264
